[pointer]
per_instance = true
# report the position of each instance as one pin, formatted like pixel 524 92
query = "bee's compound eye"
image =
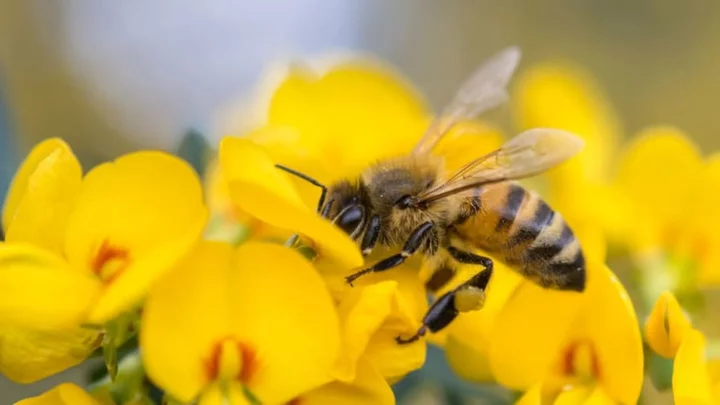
pixel 350 219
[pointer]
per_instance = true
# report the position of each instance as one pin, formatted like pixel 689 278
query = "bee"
pixel 410 205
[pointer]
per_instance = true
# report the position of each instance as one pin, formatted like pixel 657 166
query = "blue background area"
pixel 7 156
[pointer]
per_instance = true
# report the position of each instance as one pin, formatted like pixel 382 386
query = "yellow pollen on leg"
pixel 469 299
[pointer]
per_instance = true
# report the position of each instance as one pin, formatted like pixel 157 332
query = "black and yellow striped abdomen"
pixel 520 229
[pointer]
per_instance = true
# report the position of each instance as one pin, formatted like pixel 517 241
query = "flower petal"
pixel 599 397
pixel 301 151
pixel 469 335
pixel 533 396
pixel 125 291
pixel 361 312
pixel 574 395
pixel 260 189
pixel 232 394
pixel 63 394
pixel 565 97
pixel 185 314
pixel 691 384
pixel 27 356
pixel 363 100
pixel 658 160
pixel 666 326
pixel 368 387
pixel 373 313
pixel 42 195
pixel 619 349
pixel 38 291
pixel 703 221
pixel 529 334
pixel 282 308
pixel 146 205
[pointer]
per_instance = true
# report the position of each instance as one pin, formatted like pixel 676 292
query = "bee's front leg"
pixel 413 243
pixel 371 236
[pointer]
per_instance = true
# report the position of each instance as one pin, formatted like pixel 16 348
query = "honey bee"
pixel 410 204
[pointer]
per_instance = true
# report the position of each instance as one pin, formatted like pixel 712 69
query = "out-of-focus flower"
pixel 695 380
pixel 83 250
pixel 564 96
pixel 571 347
pixel 667 325
pixel 63 394
pixel 236 323
pixel 675 195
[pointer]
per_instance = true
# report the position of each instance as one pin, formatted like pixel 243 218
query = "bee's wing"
pixel 485 89
pixel 525 155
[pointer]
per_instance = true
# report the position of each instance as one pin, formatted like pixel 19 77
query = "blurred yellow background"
pixel 112 76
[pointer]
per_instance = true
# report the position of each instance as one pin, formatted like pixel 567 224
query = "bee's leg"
pixel 441 275
pixel 466 257
pixel 411 246
pixel 371 235
pixel 468 296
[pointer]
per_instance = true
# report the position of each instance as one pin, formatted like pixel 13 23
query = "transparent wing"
pixel 485 89
pixel 527 154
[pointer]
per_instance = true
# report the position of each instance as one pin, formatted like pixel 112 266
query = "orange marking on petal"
pixel 249 362
pixel 110 256
pixel 212 364
pixel 246 360
pixel 570 359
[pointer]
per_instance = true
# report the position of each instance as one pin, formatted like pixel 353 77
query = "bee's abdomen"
pixel 521 229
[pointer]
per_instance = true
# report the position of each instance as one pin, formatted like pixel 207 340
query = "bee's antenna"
pixel 312 181
pixel 309 180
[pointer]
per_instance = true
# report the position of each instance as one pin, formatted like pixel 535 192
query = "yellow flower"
pixel 675 195
pixel 83 250
pixel 63 394
pixel 228 321
pixel 695 380
pixel 371 315
pixel 574 347
pixel 667 325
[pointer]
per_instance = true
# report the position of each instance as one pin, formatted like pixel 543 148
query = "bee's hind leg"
pixel 468 296
pixel 420 333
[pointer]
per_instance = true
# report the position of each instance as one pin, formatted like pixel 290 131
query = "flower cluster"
pixel 196 274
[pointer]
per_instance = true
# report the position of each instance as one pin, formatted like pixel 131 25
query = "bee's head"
pixel 346 206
